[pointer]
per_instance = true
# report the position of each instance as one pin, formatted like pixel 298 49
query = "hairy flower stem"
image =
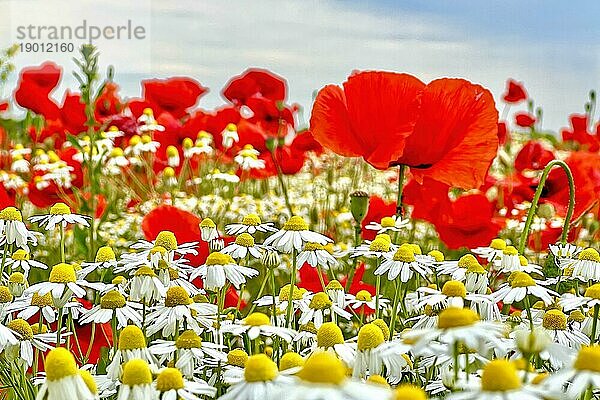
pixel 595 324
pixel 399 206
pixel 350 277
pixel 536 198
pixel 397 287
pixel 288 318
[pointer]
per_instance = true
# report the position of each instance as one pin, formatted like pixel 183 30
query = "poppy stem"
pixel 399 206
pixel 536 198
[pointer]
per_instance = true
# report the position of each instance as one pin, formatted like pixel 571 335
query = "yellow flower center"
pixel 329 334
pixel 260 368
pixel 89 381
pixel 144 271
pixel 105 253
pixel 406 391
pixel 593 291
pixel 539 305
pixel 173 274
pixel 378 380
pixel 555 320
pixel 5 295
pixel 41 301
pixel 500 376
pixel 36 329
pixel 200 298
pixel 169 379
pixel 520 279
pixel 311 246
pixel 369 337
pixel 59 364
pixel 218 258
pixel 257 319
pixel 454 289
pixel 62 273
pixel 539 378
pixel 207 223
pixel 334 285
pixel 167 240
pixel 510 251
pixel 146 139
pixel 17 278
pixel 588 359
pixel 22 328
pixel 60 209
pixel 290 360
pixel 383 326
pixel 323 367
pixel 467 260
pixel 251 220
pixel 404 254
pixel 320 301
pixel 384 236
pixel 136 372
pixel 131 338
pixel 498 244
pixel 589 254
pixel 172 151
pixel 148 111
pixel 387 222
pixel 295 223
pixel 308 327
pixel 237 357
pixel 523 261
pixel 415 248
pixel 453 317
pixel 245 239
pixel 231 127
pixel 363 295
pixel 576 316
pixel 476 269
pixel 284 293
pixel 380 244
pixel 168 172
pixel 188 340
pixel 20 255
pixel 437 255
pixel 177 296
pixel 112 300
pixel 11 214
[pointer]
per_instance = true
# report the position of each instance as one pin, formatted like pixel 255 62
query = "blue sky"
pixel 552 46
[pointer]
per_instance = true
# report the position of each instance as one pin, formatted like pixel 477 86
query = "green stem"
pixel 282 183
pixel 58 326
pixel 536 198
pixel 595 324
pixel 399 207
pixel 397 286
pixel 377 289
pixel 62 243
pixel 528 307
pixel 273 289
pixel 288 318
pixel 320 273
pixel 350 276
pixel 258 296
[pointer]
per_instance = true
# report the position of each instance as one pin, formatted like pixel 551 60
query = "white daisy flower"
pixel 208 230
pixel 242 247
pixel 404 264
pixel 113 305
pixel 380 247
pixel 330 338
pixel 458 269
pixel 27 340
pixel 63 381
pixel 388 224
pixel 230 135
pixel 60 214
pixel 581 376
pixel 564 250
pixel 586 265
pixel 136 381
pixel 251 224
pixel 171 385
pixel 519 285
pixel 315 254
pixel 20 259
pixel 131 346
pixel 319 307
pixel 294 235
pixel 364 299
pixel 12 228
pixel 257 324
pixel 31 304
pixel 555 322
pixel 493 252
pixel 247 158
pixel 105 260
pixel 145 286
pixel 219 269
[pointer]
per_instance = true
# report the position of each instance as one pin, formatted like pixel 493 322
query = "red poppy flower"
pixel 309 279
pixel 514 189
pixel 6 199
pixel 540 240
pixel 3 106
pixel 503 134
pixel 173 95
pixel 255 82
pixel 108 103
pixel 427 200
pixel 525 120
pixel 533 155
pixel 468 222
pixel 446 130
pixel 370 117
pixel 274 119
pixel 305 141
pixel 378 208
pixel 579 133
pixel 72 113
pixel 515 92
pixel 211 122
pixel 34 88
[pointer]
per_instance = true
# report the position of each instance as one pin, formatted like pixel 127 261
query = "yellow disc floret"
pixel 59 364
pixel 454 289
pixel 329 334
pixel 510 251
pixel 237 357
pixel 167 240
pixel 6 296
pixel 498 244
pixel 295 223
pixel 588 359
pixel 406 391
pixel 41 301
pixel 62 273
pixel 320 301
pixel 363 295
pixel 387 222
pixel 105 253
pixel 245 239
pixel 188 340
pixel 404 254
pixel 60 209
pixel 177 296
pixel 251 220
pixel 257 319
pixel 136 372
pixel 555 320
pixel 112 300
pixel 593 291
pixel 453 317
pixel 290 360
pixel 334 284
pixel 260 368
pixel 18 278
pixel 437 255
pixel 131 338
pixel 169 379
pixel 22 328
pixel 312 246
pixel 378 380
pixel 380 245
pixel 323 367
pixel 467 260
pixel 20 255
pixel 589 254
pixel 369 337
pixel 383 326
pixel 520 279
pixel 11 214
pixel 218 258
pixel 500 376
pixel 89 381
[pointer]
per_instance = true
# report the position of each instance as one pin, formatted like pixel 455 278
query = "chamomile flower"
pixel 364 299
pixel 177 309
pixel 60 214
pixel 493 252
pixel 193 352
pixel 34 303
pixel 12 228
pixel 315 254
pixel 260 379
pixel 585 266
pixel 300 297
pixel 136 381
pixel 257 324
pixel 251 224
pixel 171 385
pixel 208 230
pixel 555 321
pixel 319 307
pixel 27 340
pixel 404 264
pixel 113 305
pixel 242 247
pixel 388 224
pixel 63 381
pixel 519 285
pixel 590 299
pixel 379 247
pixel 499 380
pixel 168 241
pixel 145 286
pixel 131 345
pixel 581 375
pixel 564 250
pixel 21 259
pixel 331 338
pixel 368 362
pixel 105 260
pixel 453 294
pixel 294 235
pixel 247 158
pixel 230 135
pixel 7 337
pixel 458 269
pixel 219 269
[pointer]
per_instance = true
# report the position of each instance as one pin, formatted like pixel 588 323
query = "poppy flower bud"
pixel 545 210
pixel 359 203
